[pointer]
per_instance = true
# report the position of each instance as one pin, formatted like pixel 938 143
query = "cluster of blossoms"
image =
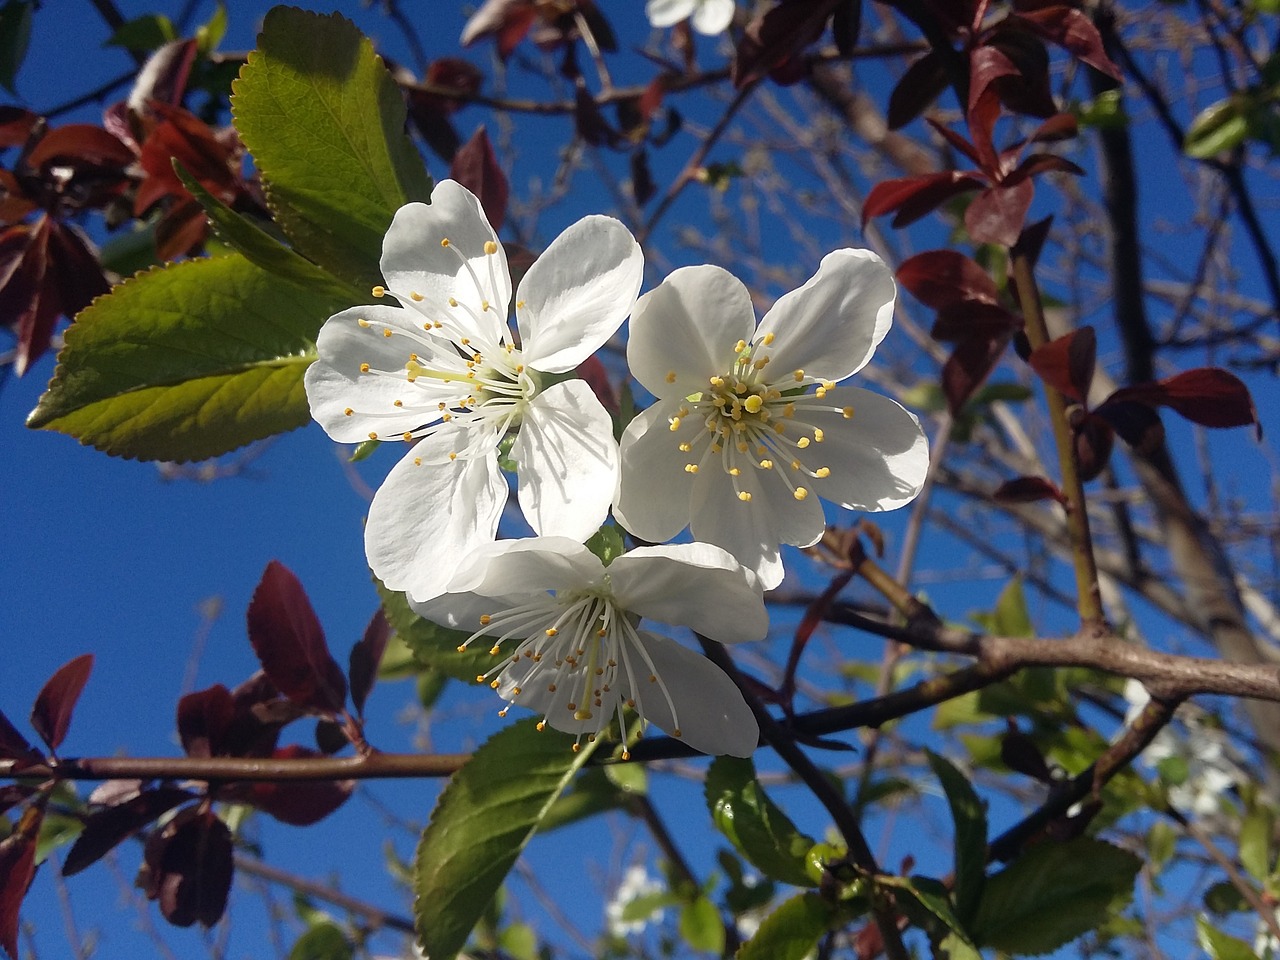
pixel 749 430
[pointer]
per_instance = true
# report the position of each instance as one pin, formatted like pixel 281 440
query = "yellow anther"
pixel 415 296
pixel 602 633
pixel 744 496
pixel 576 747
pixel 766 464
pixel 551 688
pixel 494 684
pixel 363 323
pixel 717 382
pixel 761 363
pixel 479 676
pixel 822 473
pixel 690 468
pixel 801 493
pixel 452 455
pixel 494 651
pixel 465 341
pixel 742 446
pixel 753 403
pixel 373 435
pixel 484 306
pixel 671 376
pixel 735 472
pixel 779 427
pixel 453 302
pixel 768 338
pixel 386 332
pixel 829 384
pixel 802 442
pixel 818 435
pixel 740 346
pixel 676 732
pixel 516 691
pixel 685 447
pixel 799 375
pixel 490 247
pixel 407 436
pixel 675 424
pixel 520 304
pixel 789 410
pixel 626 754
pixel 551 631
pixel 417 461
pixel 379 291
pixel 541 725
pixel 348 412
pixel 444 242
pixel 364 368
pixel 820 393
pixel 485 619
pixel 519 368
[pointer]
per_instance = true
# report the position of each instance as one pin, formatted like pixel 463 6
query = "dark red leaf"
pixel 921 84
pixel 1028 92
pixel 17 868
pixel 777 36
pixel 13 745
pixel 953 138
pixel 1138 424
pixel 1039 163
pixel 1031 242
pixel 14 202
pixel 436 128
pixel 476 167
pixel 968 366
pixel 51 714
pixel 846 24
pixel 913 197
pixel 331 737
pixel 1061 126
pixel 642 186
pixel 651 99
pixel 1067 363
pixel 965 321
pixel 1209 396
pixel 1028 490
pixel 997 214
pixel 1094 439
pixel 204 720
pixel 25 303
pixel 593 371
pixel 290 643
pixel 1020 753
pixel 182 229
pixel 16 125
pixel 108 828
pixel 365 657
pixel 79 144
pixel 943 278
pixel 451 73
pixel 1072 30
pixel 299 802
pixel 188 866
pixel 184 137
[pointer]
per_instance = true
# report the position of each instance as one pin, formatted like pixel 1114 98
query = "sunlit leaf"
pixel 755 824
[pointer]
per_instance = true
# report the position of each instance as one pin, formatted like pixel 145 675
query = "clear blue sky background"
pixel 105 556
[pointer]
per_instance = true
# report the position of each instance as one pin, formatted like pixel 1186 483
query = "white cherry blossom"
pixel 750 429
pixel 567 641
pixel 442 368
pixel 710 17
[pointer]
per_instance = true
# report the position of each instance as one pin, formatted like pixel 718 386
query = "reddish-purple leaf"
pixel 953 138
pixel 365 657
pixel 1061 126
pixel 188 866
pixel 79 145
pixel 17 868
pixel 970 319
pixel 331 736
pixel 1039 163
pixel 51 714
pixel 455 74
pixel 913 197
pixel 74 268
pixel 1067 363
pixel 921 84
pixel 204 719
pixel 1072 30
pixel 1028 91
pixel 968 366
pixel 779 34
pixel 290 643
pixel 1094 439
pixel 1137 423
pixel 1031 242
pixel 106 829
pixel 475 166
pixel 642 186
pixel 589 121
pixel 1209 396
pixel 13 745
pixel 987 64
pixel 299 802
pixel 944 278
pixel 16 125
pixel 1028 490
pixel 997 214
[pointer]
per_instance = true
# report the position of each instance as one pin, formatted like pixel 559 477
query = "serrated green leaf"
pixel 433 645
pixel 483 820
pixel 791 931
pixel 926 902
pixel 755 824
pixel 630 778
pixel 186 362
pixel 591 793
pixel 701 926
pixel 1053 893
pixel 324 941
pixel 970 817
pixel 955 947
pixel 1221 946
pixel 265 251
pixel 324 122
pixel 15 36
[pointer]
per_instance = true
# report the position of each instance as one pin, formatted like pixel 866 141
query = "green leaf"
pixel 970 817
pixel 433 645
pixel 607 543
pixel 591 793
pixel 755 824
pixel 1010 617
pixel 1223 898
pixel 1053 893
pixel 791 931
pixel 324 941
pixel 15 35
pixel 484 818
pixel 925 901
pixel 1220 126
pixel 186 362
pixel 519 941
pixel 1221 946
pixel 1255 843
pixel 701 926
pixel 263 250
pixel 210 34
pixel 144 34
pixel 324 121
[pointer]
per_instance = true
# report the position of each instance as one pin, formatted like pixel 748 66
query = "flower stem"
pixel 1089 600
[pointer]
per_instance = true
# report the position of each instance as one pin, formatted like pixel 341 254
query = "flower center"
pixel 748 419
pixel 577 654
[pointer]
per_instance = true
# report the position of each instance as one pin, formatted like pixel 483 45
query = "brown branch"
pixel 225 769
pixel 373 916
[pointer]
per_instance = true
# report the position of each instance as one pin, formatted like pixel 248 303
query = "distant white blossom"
pixel 710 17
pixel 636 883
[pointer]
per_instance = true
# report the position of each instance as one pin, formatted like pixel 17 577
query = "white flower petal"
pixel 673 584
pixel 799 522
pixel 710 712
pixel 878 458
pixel 665 13
pixel 685 329
pixel 415 261
pixel 749 533
pixel 654 489
pixel 577 293
pixel 830 327
pixel 460 611
pixel 425 518
pixel 534 682
pixel 531 565
pixel 713 17
pixel 567 461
